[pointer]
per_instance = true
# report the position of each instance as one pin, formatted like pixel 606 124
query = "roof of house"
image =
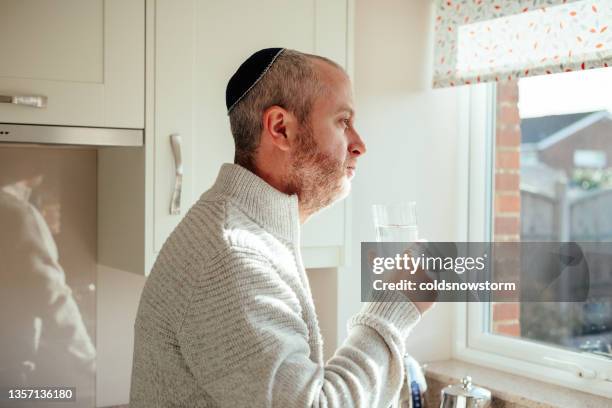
pixel 542 140
pixel 534 130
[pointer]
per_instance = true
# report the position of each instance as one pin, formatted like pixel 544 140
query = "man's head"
pixel 294 128
pixel 19 164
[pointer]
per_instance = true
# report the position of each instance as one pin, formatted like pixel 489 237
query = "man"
pixel 226 318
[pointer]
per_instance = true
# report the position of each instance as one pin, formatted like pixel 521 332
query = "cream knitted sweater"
pixel 226 318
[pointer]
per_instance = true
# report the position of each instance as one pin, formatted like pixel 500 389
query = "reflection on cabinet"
pixel 85 57
pixel 193 47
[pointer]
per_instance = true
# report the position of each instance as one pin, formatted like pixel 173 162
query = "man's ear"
pixel 280 126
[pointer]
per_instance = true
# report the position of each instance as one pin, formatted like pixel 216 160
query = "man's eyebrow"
pixel 346 109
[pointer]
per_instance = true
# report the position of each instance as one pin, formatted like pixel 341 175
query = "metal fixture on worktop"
pixel 465 395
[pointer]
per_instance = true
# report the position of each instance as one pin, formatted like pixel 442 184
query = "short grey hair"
pixel 292 83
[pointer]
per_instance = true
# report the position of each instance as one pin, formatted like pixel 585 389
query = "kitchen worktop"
pixel 508 390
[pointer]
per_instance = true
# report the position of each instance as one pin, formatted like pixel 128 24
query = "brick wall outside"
pixel 507 195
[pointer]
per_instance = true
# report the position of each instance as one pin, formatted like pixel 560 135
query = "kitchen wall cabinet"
pixel 225 37
pixel 193 47
pixel 86 57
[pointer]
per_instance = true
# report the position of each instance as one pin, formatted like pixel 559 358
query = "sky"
pixel 570 92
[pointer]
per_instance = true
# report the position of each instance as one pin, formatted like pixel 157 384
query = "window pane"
pixel 553 182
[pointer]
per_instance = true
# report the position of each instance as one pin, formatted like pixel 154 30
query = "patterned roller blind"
pixel 488 40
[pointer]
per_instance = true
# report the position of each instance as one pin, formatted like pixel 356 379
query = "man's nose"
pixel 356 147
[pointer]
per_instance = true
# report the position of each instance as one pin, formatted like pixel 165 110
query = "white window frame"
pixel 581 371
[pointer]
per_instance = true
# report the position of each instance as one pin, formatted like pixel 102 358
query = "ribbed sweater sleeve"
pixel 245 340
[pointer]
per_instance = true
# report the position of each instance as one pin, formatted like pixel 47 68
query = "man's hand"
pixel 423 300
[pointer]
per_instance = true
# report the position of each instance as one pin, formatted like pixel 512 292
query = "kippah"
pixel 248 74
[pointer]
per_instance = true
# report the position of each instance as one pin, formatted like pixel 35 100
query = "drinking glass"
pixel 395 222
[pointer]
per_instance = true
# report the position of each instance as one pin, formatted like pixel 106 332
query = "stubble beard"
pixel 317 178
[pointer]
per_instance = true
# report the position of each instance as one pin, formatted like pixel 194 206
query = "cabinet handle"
pixel 175 202
pixel 34 101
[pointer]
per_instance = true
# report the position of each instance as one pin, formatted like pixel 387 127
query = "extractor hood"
pixel 70 135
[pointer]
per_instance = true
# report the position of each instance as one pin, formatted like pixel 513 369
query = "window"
pixel 540 170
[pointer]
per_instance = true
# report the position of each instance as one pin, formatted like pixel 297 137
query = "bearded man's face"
pixel 317 177
pixel 325 152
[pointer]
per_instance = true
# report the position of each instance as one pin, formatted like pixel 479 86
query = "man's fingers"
pixel 371 256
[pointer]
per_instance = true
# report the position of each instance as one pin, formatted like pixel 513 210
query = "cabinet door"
pixel 174 51
pixel 86 57
pixel 324 236
pixel 228 32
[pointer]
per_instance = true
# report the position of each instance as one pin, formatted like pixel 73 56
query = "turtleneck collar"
pixel 276 211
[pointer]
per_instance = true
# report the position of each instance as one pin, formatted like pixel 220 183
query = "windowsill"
pixel 508 390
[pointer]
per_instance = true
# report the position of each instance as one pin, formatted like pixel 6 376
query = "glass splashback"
pixel 48 271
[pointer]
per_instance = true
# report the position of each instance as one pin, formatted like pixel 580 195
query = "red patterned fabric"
pixel 489 40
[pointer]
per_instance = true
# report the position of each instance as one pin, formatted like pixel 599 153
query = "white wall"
pixel 411 133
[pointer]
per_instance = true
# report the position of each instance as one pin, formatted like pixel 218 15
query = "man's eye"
pixel 347 122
